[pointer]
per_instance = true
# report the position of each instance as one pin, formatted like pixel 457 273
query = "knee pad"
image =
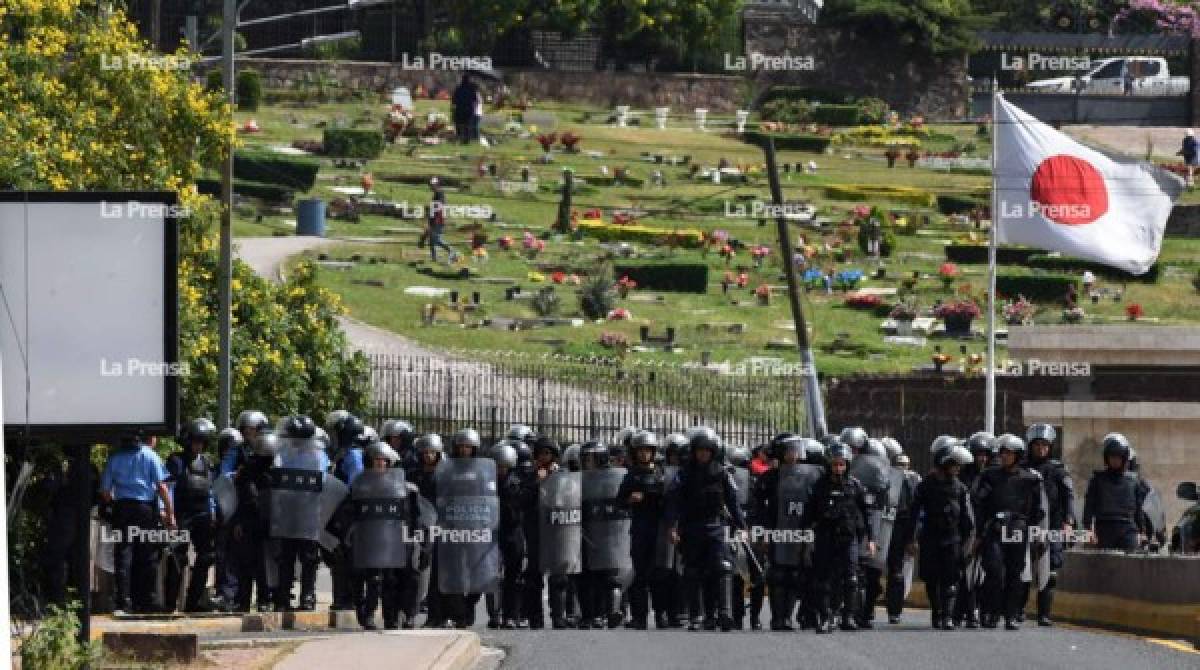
pixel 723 568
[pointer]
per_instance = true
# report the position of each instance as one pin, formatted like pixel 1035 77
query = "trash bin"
pixel 310 218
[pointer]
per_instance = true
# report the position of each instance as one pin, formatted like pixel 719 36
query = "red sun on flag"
pixel 1069 190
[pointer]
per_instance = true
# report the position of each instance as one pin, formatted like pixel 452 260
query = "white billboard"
pixel 88 313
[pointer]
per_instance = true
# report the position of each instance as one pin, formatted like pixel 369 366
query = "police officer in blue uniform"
pixel 133 478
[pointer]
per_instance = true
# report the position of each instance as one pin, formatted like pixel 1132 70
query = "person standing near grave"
pixel 463 102
pixel 436 221
pixel 1190 153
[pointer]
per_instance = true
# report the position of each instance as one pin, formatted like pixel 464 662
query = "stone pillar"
pixel 622 115
pixel 742 116
pixel 660 117
pixel 701 118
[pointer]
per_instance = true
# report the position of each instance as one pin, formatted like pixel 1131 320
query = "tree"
pixel 1154 16
pixel 88 106
pixel 929 27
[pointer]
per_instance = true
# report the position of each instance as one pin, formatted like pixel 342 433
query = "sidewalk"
pixel 411 650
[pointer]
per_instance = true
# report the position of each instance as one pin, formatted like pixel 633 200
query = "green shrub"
pixel 249 90
pixel 546 301
pixel 54 643
pixel 1037 288
pixel 837 115
pixel 905 194
pixel 958 204
pixel 804 93
pixel 213 81
pixel 597 296
pixel 353 142
pixel 269 167
pixel 873 110
pixel 887 243
pixel 814 143
pixel 682 277
pixel 978 253
pixel 635 232
pixel 1078 266
pixel 787 111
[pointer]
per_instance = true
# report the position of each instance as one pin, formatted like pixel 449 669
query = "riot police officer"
pixel 1114 499
pixel 855 438
pixel 416 583
pixel 399 435
pixel 191 474
pixel 250 424
pixel 1009 502
pixel 899 551
pixel 249 524
pixel 380 499
pixel 1060 503
pixel 229 439
pixel 702 511
pixel 546 453
pixel 606 527
pixel 780 499
pixel 872 468
pixel 982 446
pixel 299 509
pixel 514 502
pixel 643 490
pixel 461 591
pixel 837 511
pixel 133 477
pixel 945 504
pixel 353 438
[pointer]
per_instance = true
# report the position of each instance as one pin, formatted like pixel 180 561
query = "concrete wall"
pixel 1184 221
pixel 1166 346
pixel 1098 110
pixel 641 90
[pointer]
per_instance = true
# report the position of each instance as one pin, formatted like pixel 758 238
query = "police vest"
pixel 1116 497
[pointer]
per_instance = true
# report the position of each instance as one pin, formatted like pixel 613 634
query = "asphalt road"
pixel 911 644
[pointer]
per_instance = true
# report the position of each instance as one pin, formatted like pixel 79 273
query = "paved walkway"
pixel 410 650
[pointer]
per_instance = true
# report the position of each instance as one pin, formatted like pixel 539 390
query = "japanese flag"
pixel 1056 194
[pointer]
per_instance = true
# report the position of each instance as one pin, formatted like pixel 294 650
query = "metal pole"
pixel 225 266
pixel 990 384
pixel 816 408
pixel 5 615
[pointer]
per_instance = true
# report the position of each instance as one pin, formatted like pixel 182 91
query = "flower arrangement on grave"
pixel 958 315
pixel 948 272
pixel 1073 315
pixel 536 277
pixel 760 253
pixel 863 301
pixel 1134 311
pixel 624 285
pixel 619 314
pixel 368 182
pixel 574 280
pixel 558 277
pixel 905 310
pixel 547 141
pixel 847 279
pixel 251 126
pixel 743 280
pixel 813 278
pixel 505 243
pixel 726 281
pixel 1019 312
pixel 613 341
pixel 623 219
pixel 763 293
pixel 728 253
pixel 570 141
pixel 480 253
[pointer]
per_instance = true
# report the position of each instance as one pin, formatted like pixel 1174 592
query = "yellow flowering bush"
pixel 87 105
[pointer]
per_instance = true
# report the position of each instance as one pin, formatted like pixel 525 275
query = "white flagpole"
pixel 990 384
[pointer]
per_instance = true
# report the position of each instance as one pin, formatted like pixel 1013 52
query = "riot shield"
pixel 795 485
pixel 297 484
pixel 560 515
pixel 665 555
pixel 225 492
pixel 887 517
pixel 741 478
pixel 1037 560
pixel 1156 517
pixel 381 513
pixel 875 475
pixel 420 550
pixel 468 510
pixel 606 522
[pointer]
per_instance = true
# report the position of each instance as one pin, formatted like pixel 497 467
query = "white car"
pixel 1145 75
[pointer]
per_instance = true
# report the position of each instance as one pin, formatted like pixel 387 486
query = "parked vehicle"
pixel 1132 75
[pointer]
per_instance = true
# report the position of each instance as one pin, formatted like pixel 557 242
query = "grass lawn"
pixel 374 291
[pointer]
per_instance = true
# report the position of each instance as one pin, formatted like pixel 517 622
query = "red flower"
pixel 948 270
pixel 558 277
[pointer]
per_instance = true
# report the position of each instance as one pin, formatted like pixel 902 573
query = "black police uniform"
pixel 944 504
pixel 1113 503
pixel 192 475
pixel 838 515
pixel 1008 503
pixel 647 516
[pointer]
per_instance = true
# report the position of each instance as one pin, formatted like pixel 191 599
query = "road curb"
pixel 461 653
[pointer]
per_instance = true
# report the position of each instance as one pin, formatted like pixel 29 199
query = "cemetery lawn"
pixel 730 327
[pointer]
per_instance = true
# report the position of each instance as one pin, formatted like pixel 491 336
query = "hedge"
pixel 295 172
pixel 1078 266
pixel 249 90
pixel 684 237
pixel 682 277
pixel 821 95
pixel 252 189
pixel 959 204
pixel 353 142
pixel 837 115
pixel 814 143
pixel 912 196
pixel 978 253
pixel 1039 288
